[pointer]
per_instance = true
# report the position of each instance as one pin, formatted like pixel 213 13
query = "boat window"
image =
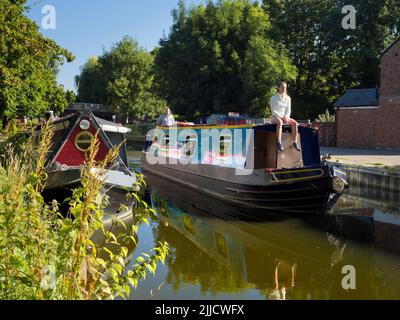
pixel 224 145
pixel 188 150
pixel 83 141
pixel 189 145
pixel 165 140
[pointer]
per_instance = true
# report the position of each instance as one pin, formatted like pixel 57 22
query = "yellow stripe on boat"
pixel 301 178
pixel 241 126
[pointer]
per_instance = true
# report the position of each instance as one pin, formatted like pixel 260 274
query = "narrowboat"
pixel 73 136
pixel 240 165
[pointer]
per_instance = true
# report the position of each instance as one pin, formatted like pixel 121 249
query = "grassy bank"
pixel 47 255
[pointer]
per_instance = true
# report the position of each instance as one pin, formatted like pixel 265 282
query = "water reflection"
pixel 221 252
pixel 217 250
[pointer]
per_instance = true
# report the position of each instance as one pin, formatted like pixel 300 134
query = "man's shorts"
pixel 274 120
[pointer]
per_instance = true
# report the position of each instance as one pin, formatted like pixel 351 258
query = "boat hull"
pixel 60 184
pixel 120 202
pixel 300 194
pixel 61 179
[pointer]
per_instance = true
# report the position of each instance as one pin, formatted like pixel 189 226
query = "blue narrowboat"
pixel 240 165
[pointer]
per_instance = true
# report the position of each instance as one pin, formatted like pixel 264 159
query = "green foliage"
pixel 28 62
pixel 329 59
pixel 122 77
pixel 218 58
pixel 90 82
pixel 70 96
pixel 47 255
pixel 326 117
pixel 140 129
pixel 11 128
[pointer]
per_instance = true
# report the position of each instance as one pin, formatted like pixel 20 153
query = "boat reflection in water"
pixel 120 225
pixel 219 253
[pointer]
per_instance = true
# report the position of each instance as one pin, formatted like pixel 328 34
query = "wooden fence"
pixel 327 133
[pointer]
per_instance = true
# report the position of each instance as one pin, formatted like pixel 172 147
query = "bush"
pixel 47 255
pixel 326 117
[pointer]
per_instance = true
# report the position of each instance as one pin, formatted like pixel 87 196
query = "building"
pixel 370 118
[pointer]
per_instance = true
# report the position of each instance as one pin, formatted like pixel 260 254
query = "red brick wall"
pixel 390 73
pixel 355 128
pixel 389 100
pixel 388 126
pixel 375 128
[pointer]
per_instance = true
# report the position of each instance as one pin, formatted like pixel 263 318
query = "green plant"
pixel 326 117
pixel 47 255
pixel 29 63
pixel 219 57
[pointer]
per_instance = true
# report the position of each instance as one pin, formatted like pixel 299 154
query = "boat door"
pixel 266 155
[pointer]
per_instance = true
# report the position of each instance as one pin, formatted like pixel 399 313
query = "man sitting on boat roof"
pixel 281 107
pixel 166 119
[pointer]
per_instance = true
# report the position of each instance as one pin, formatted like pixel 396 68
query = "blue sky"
pixel 85 27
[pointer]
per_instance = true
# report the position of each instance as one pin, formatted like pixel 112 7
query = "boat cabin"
pixel 239 146
pixel 267 156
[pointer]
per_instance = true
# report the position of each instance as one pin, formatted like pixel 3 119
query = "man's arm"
pixel 288 112
pixel 170 120
pixel 273 107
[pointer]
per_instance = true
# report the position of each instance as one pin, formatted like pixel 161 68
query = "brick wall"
pixel 356 128
pixel 390 73
pixel 388 126
pixel 380 127
pixel 389 100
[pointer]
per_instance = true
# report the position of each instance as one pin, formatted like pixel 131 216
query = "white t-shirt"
pixel 281 106
pixel 166 121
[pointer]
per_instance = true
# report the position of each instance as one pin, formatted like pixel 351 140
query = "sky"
pixel 87 27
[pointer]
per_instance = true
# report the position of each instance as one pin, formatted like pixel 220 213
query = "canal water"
pixel 220 252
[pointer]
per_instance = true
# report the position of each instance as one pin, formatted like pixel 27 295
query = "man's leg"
pixel 295 129
pixel 295 132
pixel 279 125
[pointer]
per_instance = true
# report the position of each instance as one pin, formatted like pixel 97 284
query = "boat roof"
pixel 62 119
pixel 265 126
pixel 206 126
pixel 109 126
pixel 105 125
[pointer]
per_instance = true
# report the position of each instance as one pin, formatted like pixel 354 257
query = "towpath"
pixel 364 157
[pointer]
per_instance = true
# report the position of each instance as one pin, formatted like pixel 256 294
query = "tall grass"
pixel 47 255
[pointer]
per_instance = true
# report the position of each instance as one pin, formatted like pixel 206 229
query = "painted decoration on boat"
pixel 71 155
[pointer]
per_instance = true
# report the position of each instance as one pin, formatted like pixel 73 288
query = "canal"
pixel 221 252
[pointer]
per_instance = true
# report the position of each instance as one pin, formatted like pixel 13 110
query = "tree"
pixel 90 83
pixel 330 59
pixel 121 77
pixel 305 27
pixel 28 64
pixel 218 58
pixel 70 96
